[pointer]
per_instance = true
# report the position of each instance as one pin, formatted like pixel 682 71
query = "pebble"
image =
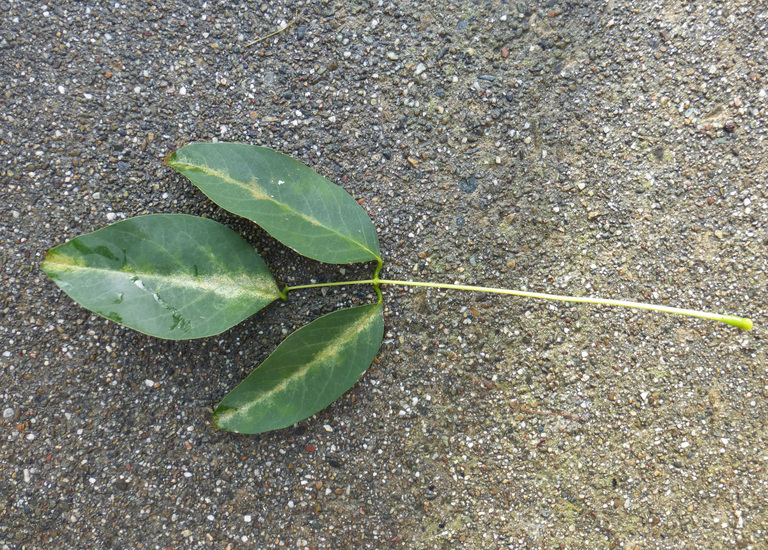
pixel 469 184
pixel 8 413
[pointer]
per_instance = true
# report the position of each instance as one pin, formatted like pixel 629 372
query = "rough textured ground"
pixel 607 148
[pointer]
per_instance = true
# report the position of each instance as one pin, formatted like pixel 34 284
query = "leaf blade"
pixel 172 276
pixel 292 202
pixel 307 372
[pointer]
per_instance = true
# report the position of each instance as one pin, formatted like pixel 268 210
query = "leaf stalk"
pixel 740 322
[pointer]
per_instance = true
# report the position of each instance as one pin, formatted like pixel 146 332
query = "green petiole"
pixel 740 322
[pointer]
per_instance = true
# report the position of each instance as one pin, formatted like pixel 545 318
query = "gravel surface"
pixel 607 148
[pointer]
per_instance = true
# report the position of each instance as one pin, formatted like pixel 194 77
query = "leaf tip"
pixel 220 418
pixel 46 265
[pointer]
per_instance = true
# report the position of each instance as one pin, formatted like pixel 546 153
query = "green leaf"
pixel 168 275
pixel 292 202
pixel 307 372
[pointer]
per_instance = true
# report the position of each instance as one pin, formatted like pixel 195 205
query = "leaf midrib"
pixel 189 282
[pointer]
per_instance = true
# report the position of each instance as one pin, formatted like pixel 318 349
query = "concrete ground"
pixel 612 148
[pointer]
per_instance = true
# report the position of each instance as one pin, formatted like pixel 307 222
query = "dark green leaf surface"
pixel 295 204
pixel 307 372
pixel 168 275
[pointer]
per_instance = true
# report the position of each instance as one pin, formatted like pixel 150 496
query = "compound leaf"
pixel 292 202
pixel 168 275
pixel 307 372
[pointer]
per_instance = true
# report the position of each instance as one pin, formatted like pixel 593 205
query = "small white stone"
pixel 247 519
pixel 328 428
pixel 61 89
pixel 210 517
pixel 8 413
pixel 183 90
pixel 137 89
pixel 110 216
pixel 149 383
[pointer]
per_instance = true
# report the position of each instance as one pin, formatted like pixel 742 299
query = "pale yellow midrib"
pixel 203 283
